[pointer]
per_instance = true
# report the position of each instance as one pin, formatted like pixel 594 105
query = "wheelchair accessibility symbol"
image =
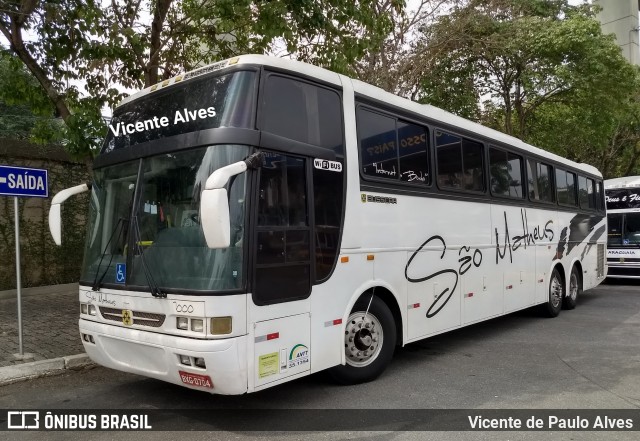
pixel 121 272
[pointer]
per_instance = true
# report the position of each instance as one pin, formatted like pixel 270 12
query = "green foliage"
pixel 103 47
pixel 25 111
pixel 19 87
pixel 545 73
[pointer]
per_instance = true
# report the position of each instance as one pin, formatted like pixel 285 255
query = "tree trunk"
pixel 17 46
pixel 159 16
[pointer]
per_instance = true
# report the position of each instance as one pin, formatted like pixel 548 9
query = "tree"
pixel 135 44
pixel 25 112
pixel 540 70
pixel 389 63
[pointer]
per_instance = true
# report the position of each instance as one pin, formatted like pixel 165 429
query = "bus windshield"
pixel 624 229
pixel 152 236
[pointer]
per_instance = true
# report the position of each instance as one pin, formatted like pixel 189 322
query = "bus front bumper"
pixel 623 270
pixel 159 356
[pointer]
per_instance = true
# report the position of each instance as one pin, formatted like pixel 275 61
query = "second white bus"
pixel 623 219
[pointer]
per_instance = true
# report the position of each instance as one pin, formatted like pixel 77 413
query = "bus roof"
pixel 429 111
pixel 624 182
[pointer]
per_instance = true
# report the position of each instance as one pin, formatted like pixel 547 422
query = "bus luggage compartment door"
pixel 281 348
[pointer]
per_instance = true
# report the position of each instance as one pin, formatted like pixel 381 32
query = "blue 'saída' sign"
pixel 21 181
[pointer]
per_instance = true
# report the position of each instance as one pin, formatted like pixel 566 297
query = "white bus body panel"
pixel 281 349
pixel 157 355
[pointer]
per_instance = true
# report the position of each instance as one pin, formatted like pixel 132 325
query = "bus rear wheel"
pixel 556 293
pixel 369 342
pixel 575 288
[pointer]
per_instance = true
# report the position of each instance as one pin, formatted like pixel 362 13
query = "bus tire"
pixel 368 344
pixel 556 293
pixel 575 289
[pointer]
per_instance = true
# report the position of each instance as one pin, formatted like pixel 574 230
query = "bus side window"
pixel 600 196
pixel 532 173
pixel 505 170
pixel 586 193
pixel 545 183
pixel 413 153
pixel 302 111
pixel 540 183
pixel 460 162
pixel 449 159
pixel 378 145
pixel 566 187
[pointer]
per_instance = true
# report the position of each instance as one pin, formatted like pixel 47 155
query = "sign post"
pixel 22 182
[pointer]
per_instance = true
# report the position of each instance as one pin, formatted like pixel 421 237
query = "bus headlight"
pixel 92 309
pixel 182 323
pixel 83 308
pixel 221 325
pixel 197 325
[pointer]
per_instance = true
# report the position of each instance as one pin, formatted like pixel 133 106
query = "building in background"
pixel 620 17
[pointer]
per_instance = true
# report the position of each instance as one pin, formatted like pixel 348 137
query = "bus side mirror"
pixel 214 206
pixel 55 218
pixel 214 203
pixel 214 218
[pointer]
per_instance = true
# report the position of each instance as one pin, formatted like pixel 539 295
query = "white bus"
pixel 623 219
pixel 260 219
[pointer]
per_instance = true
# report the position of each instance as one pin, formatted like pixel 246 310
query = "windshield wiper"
pixel 96 283
pixel 153 286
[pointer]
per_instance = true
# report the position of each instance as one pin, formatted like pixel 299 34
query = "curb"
pixel 41 368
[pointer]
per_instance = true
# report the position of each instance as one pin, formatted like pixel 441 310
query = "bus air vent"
pixel 600 261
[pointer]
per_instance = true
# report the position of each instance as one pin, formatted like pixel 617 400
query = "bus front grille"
pixel 139 317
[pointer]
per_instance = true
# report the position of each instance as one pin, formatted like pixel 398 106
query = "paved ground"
pixel 588 358
pixel 49 321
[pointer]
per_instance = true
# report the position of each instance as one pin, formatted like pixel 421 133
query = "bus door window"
pixel 283 263
pixel 614 222
pixel 631 228
pixel 327 201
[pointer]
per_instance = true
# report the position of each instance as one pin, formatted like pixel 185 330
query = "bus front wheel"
pixel 556 294
pixel 369 342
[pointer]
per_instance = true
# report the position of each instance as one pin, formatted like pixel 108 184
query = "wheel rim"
pixel 555 291
pixel 573 286
pixel 363 338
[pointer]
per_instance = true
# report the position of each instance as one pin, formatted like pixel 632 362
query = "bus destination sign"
pixel 623 198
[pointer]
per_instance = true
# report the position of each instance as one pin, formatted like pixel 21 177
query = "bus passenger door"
pixel 281 287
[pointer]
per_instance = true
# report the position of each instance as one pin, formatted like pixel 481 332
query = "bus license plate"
pixel 196 380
